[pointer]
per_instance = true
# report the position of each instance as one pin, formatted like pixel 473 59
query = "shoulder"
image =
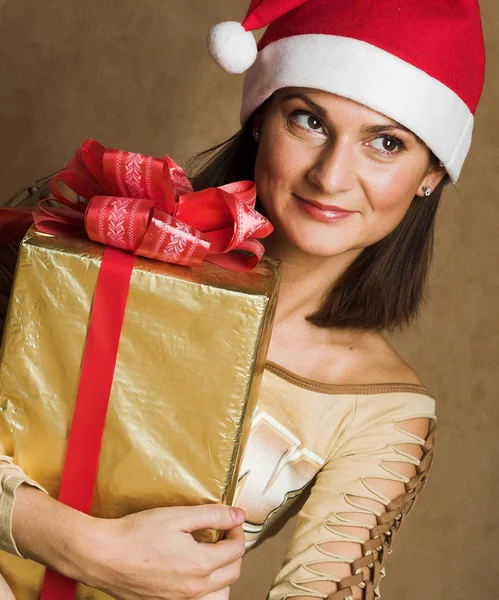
pixel 345 358
pixel 386 365
pixel 406 400
pixel 369 360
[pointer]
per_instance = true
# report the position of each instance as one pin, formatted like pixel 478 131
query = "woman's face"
pixel 333 175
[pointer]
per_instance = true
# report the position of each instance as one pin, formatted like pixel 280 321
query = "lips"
pixel 325 207
pixel 325 213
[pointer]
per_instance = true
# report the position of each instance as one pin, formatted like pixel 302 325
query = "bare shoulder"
pixel 382 364
pixel 366 360
pixel 344 358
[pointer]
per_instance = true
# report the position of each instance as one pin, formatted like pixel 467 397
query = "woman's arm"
pixel 11 477
pixel 358 503
pixel 53 534
pixel 139 557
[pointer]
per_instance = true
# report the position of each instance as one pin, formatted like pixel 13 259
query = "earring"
pixel 427 191
pixel 256 134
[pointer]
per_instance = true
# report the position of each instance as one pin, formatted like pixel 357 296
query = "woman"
pixel 355 115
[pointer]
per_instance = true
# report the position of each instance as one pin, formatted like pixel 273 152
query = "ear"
pixel 434 176
pixel 257 120
pixel 258 117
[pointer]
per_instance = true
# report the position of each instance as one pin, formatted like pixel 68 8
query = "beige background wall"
pixel 135 74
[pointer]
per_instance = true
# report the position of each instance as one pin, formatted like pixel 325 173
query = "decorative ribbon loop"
pixel 147 206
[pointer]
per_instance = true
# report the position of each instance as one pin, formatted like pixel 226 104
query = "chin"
pixel 319 243
pixel 326 251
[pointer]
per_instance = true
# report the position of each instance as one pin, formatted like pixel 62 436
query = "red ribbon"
pixel 89 416
pixel 144 206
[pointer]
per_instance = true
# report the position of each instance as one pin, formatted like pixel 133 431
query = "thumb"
pixel 211 516
pixel 221 595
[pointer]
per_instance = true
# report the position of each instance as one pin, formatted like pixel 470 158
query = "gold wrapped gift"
pixel 187 377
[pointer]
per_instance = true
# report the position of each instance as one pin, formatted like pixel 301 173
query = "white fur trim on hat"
pixel 232 47
pixel 366 74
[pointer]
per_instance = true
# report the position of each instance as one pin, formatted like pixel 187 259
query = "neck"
pixel 306 279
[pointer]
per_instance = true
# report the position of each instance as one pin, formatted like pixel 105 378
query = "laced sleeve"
pixel 359 502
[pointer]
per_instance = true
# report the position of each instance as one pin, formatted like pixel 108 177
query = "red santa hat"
pixel 419 62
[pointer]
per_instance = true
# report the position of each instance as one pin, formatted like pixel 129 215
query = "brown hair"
pixel 384 287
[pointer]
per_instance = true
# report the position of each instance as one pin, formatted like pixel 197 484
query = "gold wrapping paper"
pixel 188 372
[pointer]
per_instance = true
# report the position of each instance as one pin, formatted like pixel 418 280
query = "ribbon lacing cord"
pixel 367 571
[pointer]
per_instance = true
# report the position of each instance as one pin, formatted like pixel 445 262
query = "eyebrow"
pixel 366 129
pixel 385 127
pixel 321 112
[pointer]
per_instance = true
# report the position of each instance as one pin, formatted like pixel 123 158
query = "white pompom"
pixel 232 47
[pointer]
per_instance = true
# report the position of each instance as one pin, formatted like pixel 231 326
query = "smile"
pixel 323 213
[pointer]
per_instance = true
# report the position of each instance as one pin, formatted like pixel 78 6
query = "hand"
pixel 6 592
pixel 221 595
pixel 152 555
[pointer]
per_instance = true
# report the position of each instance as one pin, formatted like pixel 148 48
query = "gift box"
pixel 189 363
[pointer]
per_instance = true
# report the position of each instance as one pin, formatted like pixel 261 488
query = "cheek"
pixel 393 193
pixel 389 198
pixel 279 165
pixel 271 166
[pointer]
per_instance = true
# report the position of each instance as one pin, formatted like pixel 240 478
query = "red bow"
pixel 146 205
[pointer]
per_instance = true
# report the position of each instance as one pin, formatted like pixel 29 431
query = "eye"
pixel 389 144
pixel 307 121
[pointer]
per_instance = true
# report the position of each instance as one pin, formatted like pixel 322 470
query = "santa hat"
pixel 419 62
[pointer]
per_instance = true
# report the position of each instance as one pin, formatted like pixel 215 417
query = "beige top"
pixel 344 449
pixel 348 446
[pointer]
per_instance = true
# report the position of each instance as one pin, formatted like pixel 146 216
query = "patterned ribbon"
pixel 146 206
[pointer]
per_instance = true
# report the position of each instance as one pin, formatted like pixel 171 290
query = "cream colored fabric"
pixel 340 435
pixel 11 477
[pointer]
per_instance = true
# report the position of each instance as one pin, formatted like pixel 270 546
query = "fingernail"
pixel 237 514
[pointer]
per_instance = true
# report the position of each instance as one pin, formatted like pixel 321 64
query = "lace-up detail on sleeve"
pixel 358 504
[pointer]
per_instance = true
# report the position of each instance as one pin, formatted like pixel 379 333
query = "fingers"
pixel 226 551
pixel 221 595
pixel 210 516
pixel 236 534
pixel 6 592
pixel 221 580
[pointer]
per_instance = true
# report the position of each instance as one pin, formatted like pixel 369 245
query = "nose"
pixel 333 170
